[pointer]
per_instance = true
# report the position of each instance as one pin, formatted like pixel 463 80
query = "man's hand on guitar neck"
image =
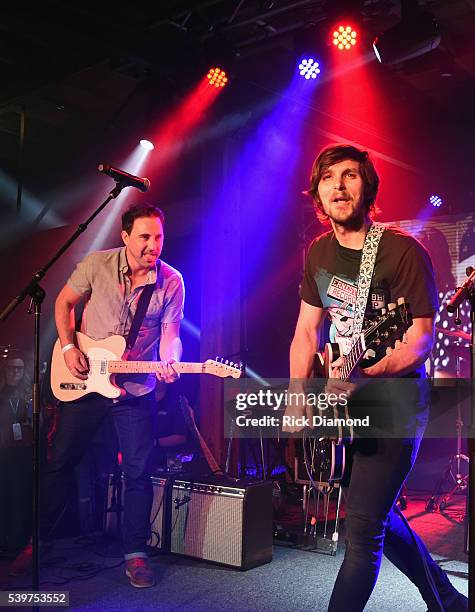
pixel 165 371
pixel 77 363
pixel 357 372
pixel 335 384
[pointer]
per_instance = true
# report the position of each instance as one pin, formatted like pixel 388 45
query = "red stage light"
pixel 217 77
pixel 344 37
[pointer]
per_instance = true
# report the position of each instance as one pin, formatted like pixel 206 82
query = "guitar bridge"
pixel 73 386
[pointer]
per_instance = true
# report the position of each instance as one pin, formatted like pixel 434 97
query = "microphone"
pixel 124 178
pixel 462 292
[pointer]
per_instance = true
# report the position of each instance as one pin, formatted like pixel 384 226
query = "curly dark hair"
pixel 334 154
pixel 140 210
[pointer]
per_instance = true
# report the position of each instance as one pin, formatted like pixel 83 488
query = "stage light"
pixel 416 34
pixel 217 77
pixel 344 37
pixel 436 201
pixel 309 68
pixel 147 145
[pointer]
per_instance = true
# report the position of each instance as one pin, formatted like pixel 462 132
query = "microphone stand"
pixel 467 292
pixel 37 295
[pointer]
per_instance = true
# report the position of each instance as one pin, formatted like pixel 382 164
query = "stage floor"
pixel 295 581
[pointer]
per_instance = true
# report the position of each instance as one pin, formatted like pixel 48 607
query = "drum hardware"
pixel 453 474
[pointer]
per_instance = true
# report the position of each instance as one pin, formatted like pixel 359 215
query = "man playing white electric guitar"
pixel 111 283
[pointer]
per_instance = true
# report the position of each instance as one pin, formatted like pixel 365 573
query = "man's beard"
pixel 354 221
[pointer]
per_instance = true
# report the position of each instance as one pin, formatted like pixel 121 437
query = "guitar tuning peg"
pixel 391 306
pixel 226 362
pixel 383 311
pixel 401 300
pixel 370 354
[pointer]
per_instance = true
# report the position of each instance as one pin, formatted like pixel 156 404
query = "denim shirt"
pixel 110 306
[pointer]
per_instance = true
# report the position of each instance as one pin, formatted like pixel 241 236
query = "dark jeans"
pixel 373 527
pixel 92 475
pixel 78 422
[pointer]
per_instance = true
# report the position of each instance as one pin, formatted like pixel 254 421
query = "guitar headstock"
pixel 222 368
pixel 390 325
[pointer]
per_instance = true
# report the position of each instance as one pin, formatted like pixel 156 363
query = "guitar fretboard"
pixel 352 359
pixel 150 367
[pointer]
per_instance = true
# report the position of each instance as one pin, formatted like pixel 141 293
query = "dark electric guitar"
pixel 328 455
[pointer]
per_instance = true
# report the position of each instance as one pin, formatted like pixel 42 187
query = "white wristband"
pixel 67 347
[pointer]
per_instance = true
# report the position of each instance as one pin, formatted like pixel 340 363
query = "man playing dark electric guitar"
pixel 344 186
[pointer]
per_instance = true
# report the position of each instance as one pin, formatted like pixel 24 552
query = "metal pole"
pixel 20 157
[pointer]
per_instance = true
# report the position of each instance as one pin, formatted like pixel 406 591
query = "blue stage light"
pixel 309 68
pixel 436 201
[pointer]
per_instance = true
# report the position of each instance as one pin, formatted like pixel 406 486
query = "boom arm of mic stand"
pixel 461 294
pixel 32 288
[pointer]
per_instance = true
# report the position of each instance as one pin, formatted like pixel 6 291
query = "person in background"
pixel 15 456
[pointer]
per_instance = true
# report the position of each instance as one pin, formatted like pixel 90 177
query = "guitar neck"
pixel 388 327
pixel 352 359
pixel 151 367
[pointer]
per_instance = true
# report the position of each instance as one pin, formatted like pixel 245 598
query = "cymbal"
pixel 455 333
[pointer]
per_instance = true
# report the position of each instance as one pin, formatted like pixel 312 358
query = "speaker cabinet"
pixel 223 521
pixel 114 512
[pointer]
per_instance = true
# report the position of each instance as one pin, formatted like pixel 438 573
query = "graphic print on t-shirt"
pixel 342 290
pixel 339 297
pixel 403 269
pixel 377 299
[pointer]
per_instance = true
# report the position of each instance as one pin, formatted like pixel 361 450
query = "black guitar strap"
pixel 140 311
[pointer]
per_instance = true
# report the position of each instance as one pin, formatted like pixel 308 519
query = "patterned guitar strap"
pixel 365 274
pixel 368 259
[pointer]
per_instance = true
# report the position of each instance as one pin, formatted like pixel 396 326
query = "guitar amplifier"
pixel 115 509
pixel 223 521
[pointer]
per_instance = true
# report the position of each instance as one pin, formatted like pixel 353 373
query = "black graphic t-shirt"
pixel 403 269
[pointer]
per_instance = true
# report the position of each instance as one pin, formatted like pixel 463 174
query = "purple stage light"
pixel 309 68
pixel 436 201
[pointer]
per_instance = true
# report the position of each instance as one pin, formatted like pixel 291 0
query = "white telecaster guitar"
pixel 104 357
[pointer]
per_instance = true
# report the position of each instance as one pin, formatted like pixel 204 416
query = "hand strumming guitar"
pixel 76 363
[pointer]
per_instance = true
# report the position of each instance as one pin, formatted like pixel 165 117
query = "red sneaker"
pixel 139 573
